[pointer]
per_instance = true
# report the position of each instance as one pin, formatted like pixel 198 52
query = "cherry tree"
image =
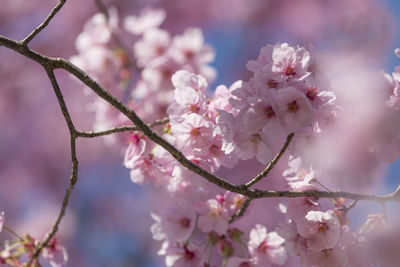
pixel 259 172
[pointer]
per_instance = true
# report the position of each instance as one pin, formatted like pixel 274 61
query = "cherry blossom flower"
pixel 55 254
pixel 299 179
pixel 149 18
pixel 266 248
pixel 184 256
pixel 190 48
pixel 239 262
pixel 226 125
pixel 290 62
pixel 250 145
pixel 154 44
pixel 263 115
pixel 179 220
pixel 233 202
pixel 333 257
pixel 213 216
pixel 293 108
pixel 97 30
pixel 183 79
pixel 299 207
pixel 321 229
pixel 195 132
pixel 295 244
pixel 189 95
pixel 156 228
pixel 138 145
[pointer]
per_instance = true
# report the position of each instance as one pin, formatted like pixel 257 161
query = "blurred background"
pixel 107 222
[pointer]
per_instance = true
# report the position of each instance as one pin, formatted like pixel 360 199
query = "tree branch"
pixel 272 163
pixel 44 23
pixel 119 129
pixel 74 172
pixel 241 211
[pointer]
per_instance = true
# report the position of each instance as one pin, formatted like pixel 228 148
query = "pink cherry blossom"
pixel 266 248
pixel 221 100
pixel 226 125
pixel 321 229
pixel 239 262
pixel 156 228
pixel 179 220
pixel 298 178
pixel 195 132
pixel 295 244
pixel 293 108
pixel 263 115
pixel 250 145
pixel 290 62
pixel 190 48
pixel 149 18
pixel 97 30
pixel 213 217
pixel 138 145
pixel 159 71
pixel 263 59
pixel 333 257
pixel 154 44
pixel 233 202
pixel 55 254
pixel 189 95
pixel 299 207
pixel 184 256
pixel 183 79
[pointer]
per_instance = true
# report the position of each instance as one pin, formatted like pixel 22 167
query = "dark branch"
pixel 272 163
pixel 241 211
pixel 119 129
pixel 74 172
pixel 44 23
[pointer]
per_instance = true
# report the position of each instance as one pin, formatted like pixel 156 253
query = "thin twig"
pixel 321 184
pixel 12 232
pixel 346 209
pixel 272 163
pixel 92 134
pixel 74 172
pixel 241 211
pixel 38 29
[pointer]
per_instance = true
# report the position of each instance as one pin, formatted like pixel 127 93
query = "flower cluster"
pixel 140 76
pixel 289 91
pixel 21 251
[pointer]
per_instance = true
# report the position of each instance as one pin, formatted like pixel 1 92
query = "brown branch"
pixel 272 163
pixel 74 172
pixel 44 23
pixel 346 209
pixel 92 134
pixel 102 8
pixel 241 211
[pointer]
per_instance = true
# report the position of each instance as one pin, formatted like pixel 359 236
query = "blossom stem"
pixel 271 164
pixel 12 232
